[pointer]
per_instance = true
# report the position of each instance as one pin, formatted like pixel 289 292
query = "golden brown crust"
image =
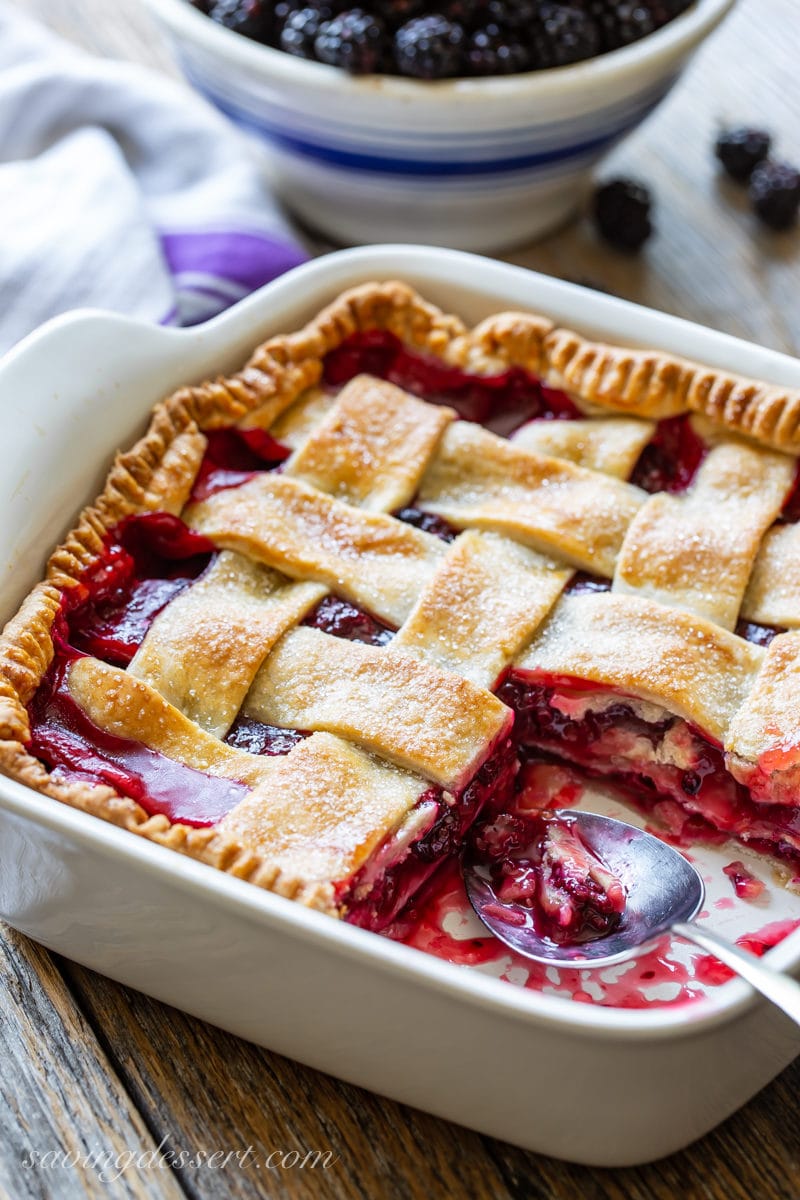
pixel 398 707
pixel 611 445
pixel 158 469
pixel 638 647
pixel 339 455
pixel 654 384
pixel 144 478
pixel 696 551
pixel 481 481
pixel 204 845
pixel 371 559
pixel 482 607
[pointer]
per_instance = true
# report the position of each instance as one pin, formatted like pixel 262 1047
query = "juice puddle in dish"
pixel 669 972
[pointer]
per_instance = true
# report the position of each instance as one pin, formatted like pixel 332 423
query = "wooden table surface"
pixel 90 1066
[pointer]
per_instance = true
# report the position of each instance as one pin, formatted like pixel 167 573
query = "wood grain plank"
pixel 200 1086
pixel 204 1088
pixel 58 1091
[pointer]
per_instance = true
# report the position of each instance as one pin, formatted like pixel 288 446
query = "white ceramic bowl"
pixel 477 164
pixel 597 1085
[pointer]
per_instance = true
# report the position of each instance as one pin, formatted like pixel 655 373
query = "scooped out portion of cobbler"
pixel 540 869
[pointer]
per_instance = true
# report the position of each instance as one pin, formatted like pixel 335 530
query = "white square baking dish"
pixel 596 1085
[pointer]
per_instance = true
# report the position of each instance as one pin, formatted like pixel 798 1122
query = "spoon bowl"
pixel 662 888
pixel 664 893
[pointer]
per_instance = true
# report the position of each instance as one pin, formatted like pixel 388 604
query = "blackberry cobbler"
pixel 331 611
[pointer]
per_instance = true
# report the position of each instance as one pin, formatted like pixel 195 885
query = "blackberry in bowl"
pixel 444 40
pixel 467 123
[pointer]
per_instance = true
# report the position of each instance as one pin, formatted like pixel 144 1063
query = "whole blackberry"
pixel 355 41
pixel 300 30
pixel 476 37
pixel 430 48
pixel 566 34
pixel 284 9
pixel 620 22
pixel 253 18
pixel 621 210
pixel 741 150
pixel 494 51
pixel 775 194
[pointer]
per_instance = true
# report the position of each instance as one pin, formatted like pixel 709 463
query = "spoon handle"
pixel 783 991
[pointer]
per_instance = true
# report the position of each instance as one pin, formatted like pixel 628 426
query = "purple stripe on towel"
pixel 248 259
pixel 171 317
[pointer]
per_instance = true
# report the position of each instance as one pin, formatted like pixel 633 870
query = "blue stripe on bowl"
pixel 319 127
pixel 381 164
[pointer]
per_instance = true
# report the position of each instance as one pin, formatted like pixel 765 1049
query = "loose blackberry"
pixel 741 150
pixel 620 22
pixel 300 30
pixel 355 41
pixel 430 48
pixel 775 194
pixel 621 211
pixel 566 34
pixel 253 18
pixel 494 51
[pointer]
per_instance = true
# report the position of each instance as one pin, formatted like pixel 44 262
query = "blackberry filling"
pixel 432 836
pixel 148 560
pixel 543 874
pixel 64 738
pixel 500 403
pixel 666 764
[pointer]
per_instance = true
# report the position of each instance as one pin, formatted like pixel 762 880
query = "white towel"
pixel 122 190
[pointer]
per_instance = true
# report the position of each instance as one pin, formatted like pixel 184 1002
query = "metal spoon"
pixel 664 894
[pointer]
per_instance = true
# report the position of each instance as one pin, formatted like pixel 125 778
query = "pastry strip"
pixel 763 741
pixel 372 447
pixel 414 714
pixel 696 551
pixel 374 560
pixel 203 650
pixel 611 445
pixel 317 811
pixel 678 661
pixel 482 606
pixel 325 808
pixel 480 480
pixel 773 593
pixel 295 424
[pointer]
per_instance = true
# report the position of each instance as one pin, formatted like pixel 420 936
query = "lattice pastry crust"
pixel 389 723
